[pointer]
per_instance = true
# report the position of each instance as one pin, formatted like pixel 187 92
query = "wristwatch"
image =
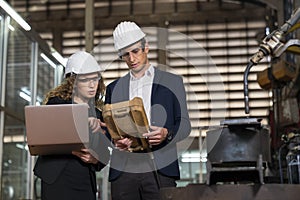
pixel 169 135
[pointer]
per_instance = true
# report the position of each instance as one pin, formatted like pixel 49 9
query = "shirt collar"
pixel 149 72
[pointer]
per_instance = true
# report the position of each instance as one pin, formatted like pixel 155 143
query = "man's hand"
pixel 156 135
pixel 86 156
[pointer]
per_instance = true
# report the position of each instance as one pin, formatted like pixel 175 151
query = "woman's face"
pixel 86 87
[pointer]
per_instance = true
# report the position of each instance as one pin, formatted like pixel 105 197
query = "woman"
pixel 73 176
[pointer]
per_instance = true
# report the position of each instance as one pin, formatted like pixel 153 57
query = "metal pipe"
pixel 246 92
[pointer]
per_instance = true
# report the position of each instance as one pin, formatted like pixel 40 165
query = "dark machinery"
pixel 292 143
pixel 237 151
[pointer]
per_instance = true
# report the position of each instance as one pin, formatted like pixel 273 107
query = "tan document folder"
pixel 128 120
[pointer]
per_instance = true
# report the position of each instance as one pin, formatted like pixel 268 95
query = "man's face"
pixel 136 58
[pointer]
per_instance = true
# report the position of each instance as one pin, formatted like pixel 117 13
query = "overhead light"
pixel 13 138
pixel 11 27
pixel 59 58
pixel 5 6
pixel 267 30
pixel 48 60
pixel 22 146
pixel 188 160
pixel 193 157
pixel 26 94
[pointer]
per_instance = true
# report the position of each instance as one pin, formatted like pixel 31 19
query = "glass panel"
pixel 192 165
pixel 45 81
pixel 14 147
pixel 45 78
pixel 1 46
pixel 17 97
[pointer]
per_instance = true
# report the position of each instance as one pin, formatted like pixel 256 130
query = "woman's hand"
pixel 86 156
pixel 95 125
pixel 123 144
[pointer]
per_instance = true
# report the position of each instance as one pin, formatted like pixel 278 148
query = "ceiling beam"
pixel 89 25
pixel 146 20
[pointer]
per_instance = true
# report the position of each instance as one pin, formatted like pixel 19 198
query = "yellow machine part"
pixel 294 49
pixel 280 71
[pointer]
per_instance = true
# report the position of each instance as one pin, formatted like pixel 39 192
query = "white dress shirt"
pixel 142 87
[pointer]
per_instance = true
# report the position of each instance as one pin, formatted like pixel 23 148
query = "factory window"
pixel 212 57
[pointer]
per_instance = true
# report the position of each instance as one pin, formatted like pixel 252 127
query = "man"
pixel 140 175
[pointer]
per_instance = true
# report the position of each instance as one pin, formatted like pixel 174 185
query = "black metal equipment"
pixel 237 151
pixel 292 140
pixel 293 164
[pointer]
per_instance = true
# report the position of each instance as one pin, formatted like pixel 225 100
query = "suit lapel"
pixel 125 87
pixel 120 91
pixel 156 80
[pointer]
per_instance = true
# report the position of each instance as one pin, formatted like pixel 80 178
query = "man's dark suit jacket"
pixel 168 109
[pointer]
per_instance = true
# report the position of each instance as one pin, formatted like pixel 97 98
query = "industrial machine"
pixel 286 109
pixel 239 150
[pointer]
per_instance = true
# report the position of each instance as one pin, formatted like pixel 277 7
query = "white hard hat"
pixel 82 62
pixel 126 34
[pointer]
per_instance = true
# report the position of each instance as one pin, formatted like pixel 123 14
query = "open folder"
pixel 128 120
pixel 56 129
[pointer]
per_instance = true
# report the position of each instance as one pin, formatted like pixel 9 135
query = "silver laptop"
pixel 56 129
